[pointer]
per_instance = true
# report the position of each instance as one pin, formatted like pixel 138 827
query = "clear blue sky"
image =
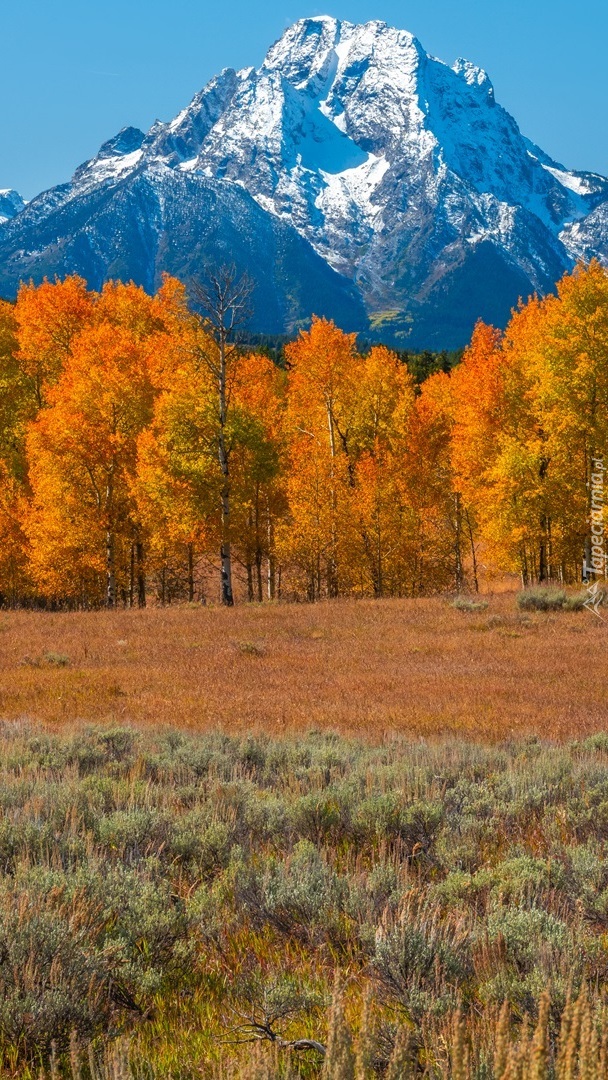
pixel 73 72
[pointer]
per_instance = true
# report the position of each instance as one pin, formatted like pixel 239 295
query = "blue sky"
pixel 74 72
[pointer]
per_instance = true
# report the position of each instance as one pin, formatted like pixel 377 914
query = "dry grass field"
pixel 358 667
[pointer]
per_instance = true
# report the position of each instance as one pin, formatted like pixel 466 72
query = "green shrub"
pixel 466 603
pixel 526 932
pixel 55 974
pixel 542 598
pixel 56 659
pixel 575 601
pixel 301 896
pixel 386 818
pixel 423 961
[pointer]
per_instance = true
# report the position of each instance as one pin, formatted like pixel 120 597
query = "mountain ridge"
pixel 418 202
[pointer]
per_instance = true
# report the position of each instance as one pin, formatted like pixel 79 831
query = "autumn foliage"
pixel 344 478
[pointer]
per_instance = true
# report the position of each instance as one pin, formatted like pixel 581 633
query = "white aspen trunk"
pixel 332 570
pixel 110 570
pixel 141 575
pixel 110 545
pixel 226 594
pixel 271 571
pixel 190 572
pixel 459 582
pixel 473 552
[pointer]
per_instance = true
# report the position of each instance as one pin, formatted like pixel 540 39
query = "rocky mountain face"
pixel 352 174
pixel 11 204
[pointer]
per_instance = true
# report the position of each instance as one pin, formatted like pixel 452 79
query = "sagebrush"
pixel 198 897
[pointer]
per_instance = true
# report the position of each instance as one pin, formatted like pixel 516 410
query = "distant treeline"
pixel 143 449
pixel 420 364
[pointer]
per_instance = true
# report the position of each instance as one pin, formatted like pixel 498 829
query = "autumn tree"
pixel 531 415
pixel 324 366
pixel 476 406
pixel 180 480
pixel 137 436
pixel 49 316
pixel 384 403
pixel 224 299
pixel 82 458
pixel 568 362
pixel 259 458
pixel 353 526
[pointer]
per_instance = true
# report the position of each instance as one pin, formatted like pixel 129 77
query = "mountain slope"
pixel 352 174
pixel 158 220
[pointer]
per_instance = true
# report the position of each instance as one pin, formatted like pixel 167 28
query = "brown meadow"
pixel 364 667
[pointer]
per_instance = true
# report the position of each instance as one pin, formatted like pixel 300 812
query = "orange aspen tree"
pixel 441 515
pixel 82 458
pixel 14 411
pixel 522 529
pixel 477 407
pixel 49 316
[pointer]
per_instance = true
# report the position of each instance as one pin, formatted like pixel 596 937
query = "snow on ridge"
pixel 102 169
pixel 573 181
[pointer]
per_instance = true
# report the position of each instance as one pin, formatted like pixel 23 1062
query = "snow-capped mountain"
pixel 352 174
pixel 11 204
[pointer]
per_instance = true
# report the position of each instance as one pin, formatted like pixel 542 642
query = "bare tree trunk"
pixel 110 570
pixel 132 576
pixel 549 551
pixel 459 576
pixel 311 587
pixel 225 300
pixel 141 575
pixel 543 552
pixel 110 542
pixel 542 557
pixel 473 552
pixel 258 575
pixel 271 579
pixel 332 562
pixel 190 572
pixel 525 577
pixel 226 595
pixel 250 595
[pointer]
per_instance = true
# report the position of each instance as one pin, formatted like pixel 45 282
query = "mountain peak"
pixel 115 157
pixel 128 140
pixel 474 76
pixel 314 44
pixel 11 204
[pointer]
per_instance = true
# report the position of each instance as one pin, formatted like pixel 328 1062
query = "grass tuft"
pixel 467 604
